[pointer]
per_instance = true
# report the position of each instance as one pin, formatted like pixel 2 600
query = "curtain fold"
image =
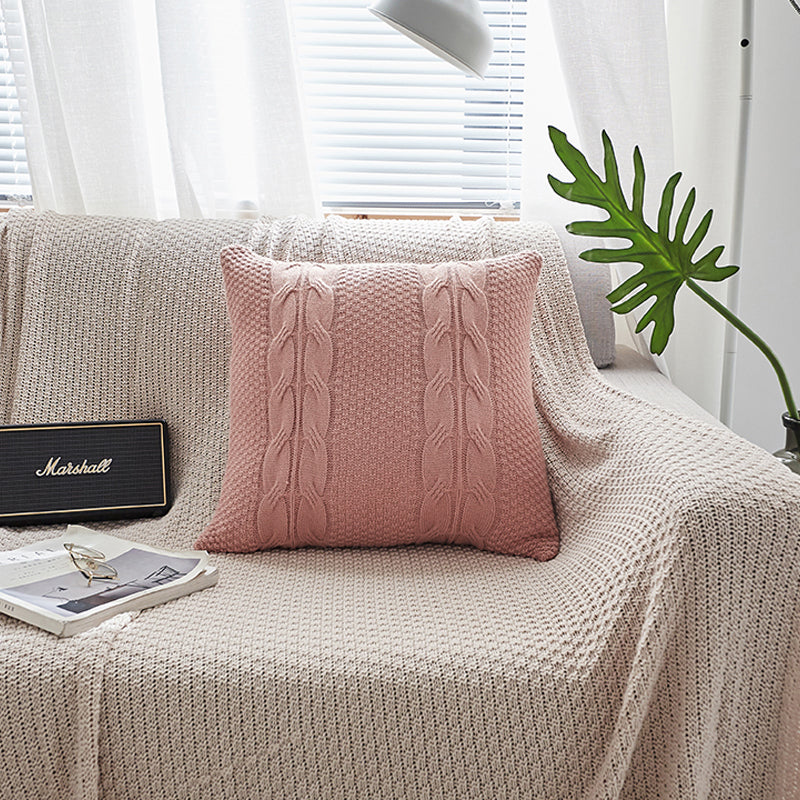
pixel 159 108
pixel 616 69
pixel 614 62
pixel 705 66
pixel 671 90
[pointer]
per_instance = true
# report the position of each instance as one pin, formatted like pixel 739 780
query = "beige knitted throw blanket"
pixel 655 657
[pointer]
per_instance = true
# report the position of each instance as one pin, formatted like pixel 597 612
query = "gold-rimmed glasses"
pixel 90 563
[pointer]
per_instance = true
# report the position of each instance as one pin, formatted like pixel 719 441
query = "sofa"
pixel 657 655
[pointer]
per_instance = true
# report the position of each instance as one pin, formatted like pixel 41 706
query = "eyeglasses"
pixel 90 563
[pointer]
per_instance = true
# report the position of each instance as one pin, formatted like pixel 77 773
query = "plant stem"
pixel 755 339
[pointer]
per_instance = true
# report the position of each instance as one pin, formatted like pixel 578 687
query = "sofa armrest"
pixel 636 440
pixel 638 375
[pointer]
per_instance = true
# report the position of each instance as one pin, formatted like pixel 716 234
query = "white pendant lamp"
pixel 454 30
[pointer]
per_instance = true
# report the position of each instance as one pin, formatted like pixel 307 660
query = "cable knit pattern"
pixel 299 363
pixel 458 471
pixel 276 511
pixel 380 428
pixel 480 472
pixel 315 407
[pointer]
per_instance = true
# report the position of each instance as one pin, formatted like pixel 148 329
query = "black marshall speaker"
pixel 83 471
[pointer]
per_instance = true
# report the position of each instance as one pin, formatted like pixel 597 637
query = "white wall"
pixel 770 274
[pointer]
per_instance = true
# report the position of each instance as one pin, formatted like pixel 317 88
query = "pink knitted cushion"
pixel 376 404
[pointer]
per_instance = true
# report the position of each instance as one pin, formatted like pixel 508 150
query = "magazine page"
pixel 44 577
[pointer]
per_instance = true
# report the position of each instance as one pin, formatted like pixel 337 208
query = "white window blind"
pixel 394 127
pixel 15 184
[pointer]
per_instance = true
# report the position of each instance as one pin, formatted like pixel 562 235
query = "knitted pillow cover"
pixel 377 404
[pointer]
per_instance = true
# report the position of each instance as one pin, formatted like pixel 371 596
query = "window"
pixel 15 184
pixel 393 127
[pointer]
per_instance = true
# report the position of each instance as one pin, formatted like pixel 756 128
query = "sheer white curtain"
pixel 612 58
pixel 161 108
pixel 616 68
pixel 705 65
pixel 672 91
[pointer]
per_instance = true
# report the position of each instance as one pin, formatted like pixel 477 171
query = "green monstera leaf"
pixel 667 258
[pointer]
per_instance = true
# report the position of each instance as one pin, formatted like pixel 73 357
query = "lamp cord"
pixel 795 6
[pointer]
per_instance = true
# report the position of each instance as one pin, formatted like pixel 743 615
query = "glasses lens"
pixel 91 563
pixel 102 571
pixel 79 551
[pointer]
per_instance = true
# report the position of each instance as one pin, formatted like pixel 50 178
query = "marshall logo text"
pixel 55 468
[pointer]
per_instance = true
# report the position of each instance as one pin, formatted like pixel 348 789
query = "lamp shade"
pixel 454 30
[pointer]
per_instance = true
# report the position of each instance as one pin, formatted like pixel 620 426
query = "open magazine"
pixel 61 585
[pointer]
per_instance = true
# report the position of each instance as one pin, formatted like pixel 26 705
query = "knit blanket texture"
pixel 657 656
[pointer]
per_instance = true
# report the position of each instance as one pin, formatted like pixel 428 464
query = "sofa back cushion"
pixel 382 404
pixel 339 240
